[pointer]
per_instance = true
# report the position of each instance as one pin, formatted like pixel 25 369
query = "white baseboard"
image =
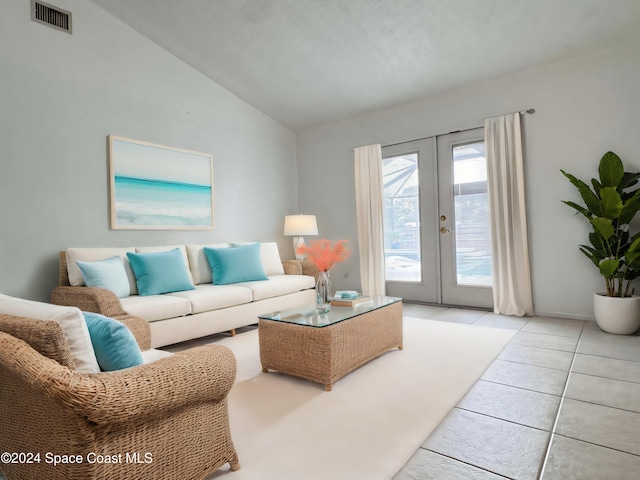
pixel 572 316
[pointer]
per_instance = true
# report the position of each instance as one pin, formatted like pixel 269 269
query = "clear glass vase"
pixel 323 292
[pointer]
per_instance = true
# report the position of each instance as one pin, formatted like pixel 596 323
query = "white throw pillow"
pixel 71 321
pixel 96 254
pixel 271 259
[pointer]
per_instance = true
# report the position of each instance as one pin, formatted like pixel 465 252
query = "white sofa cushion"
pixel 271 260
pixel 71 321
pixel 279 285
pixel 156 307
pixel 93 255
pixel 212 297
pixel 198 263
pixel 152 355
pixel 166 248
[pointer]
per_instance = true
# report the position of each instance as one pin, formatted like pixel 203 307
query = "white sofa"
pixel 184 315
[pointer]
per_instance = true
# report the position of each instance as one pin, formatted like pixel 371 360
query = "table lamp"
pixel 299 225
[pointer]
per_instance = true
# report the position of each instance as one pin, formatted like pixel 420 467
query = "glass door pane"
pixel 410 181
pixel 472 230
pixel 402 218
pixel 465 243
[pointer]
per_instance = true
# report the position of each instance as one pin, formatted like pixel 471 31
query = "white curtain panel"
pixel 511 271
pixel 369 204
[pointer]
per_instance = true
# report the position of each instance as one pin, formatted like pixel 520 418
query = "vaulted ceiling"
pixel 309 62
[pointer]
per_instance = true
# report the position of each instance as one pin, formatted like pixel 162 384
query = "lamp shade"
pixel 300 225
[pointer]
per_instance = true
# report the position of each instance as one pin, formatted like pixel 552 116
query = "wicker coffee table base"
pixel 326 354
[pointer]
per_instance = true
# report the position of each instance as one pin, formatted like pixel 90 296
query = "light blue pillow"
pixel 236 264
pixel 114 345
pixel 109 274
pixel 160 272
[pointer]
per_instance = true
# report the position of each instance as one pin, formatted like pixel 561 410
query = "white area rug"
pixel 375 418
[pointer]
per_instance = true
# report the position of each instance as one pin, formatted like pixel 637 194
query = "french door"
pixel 436 220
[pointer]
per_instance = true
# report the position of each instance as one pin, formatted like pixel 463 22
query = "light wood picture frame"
pixel 154 187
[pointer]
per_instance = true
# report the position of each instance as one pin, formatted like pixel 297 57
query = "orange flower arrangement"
pixel 324 253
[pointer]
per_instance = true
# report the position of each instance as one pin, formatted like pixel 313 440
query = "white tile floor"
pixel 562 401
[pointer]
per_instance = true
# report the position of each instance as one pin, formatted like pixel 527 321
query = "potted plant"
pixel 610 204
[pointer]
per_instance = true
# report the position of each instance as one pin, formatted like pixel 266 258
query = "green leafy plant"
pixel 610 205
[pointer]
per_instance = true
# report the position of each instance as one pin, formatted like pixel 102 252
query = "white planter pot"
pixel 619 315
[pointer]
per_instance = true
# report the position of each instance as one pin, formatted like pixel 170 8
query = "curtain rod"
pixel 529 111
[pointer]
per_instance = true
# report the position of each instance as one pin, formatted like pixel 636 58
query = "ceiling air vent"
pixel 49 15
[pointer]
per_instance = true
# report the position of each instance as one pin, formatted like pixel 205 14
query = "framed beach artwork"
pixel 154 187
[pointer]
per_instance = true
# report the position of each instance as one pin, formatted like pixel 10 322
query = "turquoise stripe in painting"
pixel 152 202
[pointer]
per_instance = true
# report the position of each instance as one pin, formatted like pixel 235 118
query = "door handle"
pixel 444 230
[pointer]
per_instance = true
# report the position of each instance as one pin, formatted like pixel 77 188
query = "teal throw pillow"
pixel 236 264
pixel 114 345
pixel 109 274
pixel 160 272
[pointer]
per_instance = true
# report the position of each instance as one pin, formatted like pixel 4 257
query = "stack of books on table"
pixel 349 298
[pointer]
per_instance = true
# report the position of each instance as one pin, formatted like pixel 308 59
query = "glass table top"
pixel 309 316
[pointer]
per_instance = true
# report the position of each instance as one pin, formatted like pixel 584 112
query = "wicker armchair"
pixel 167 419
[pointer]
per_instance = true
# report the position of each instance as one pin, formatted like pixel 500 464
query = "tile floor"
pixel 562 401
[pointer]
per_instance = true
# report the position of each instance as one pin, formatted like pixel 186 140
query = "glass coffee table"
pixel 324 347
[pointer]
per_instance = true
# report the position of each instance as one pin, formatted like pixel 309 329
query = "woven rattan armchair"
pixel 163 420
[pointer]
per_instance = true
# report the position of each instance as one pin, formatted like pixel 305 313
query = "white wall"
pixel 584 107
pixel 61 95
